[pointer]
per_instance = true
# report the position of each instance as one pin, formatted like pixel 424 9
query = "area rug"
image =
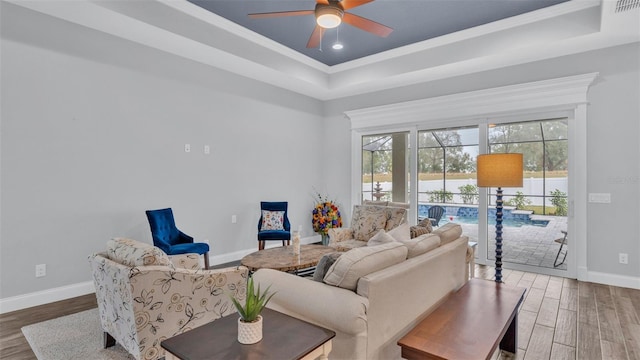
pixel 77 336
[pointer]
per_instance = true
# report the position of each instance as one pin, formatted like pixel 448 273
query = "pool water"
pixel 516 222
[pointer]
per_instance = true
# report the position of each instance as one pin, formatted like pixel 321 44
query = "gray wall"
pixel 93 133
pixel 613 130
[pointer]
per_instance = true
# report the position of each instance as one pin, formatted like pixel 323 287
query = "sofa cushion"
pixel 135 253
pixel 401 232
pixel 324 264
pixel 448 232
pixel 367 221
pixel 354 264
pixel 382 237
pixel 395 217
pixel 421 244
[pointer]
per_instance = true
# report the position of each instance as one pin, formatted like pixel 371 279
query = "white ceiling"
pixel 181 28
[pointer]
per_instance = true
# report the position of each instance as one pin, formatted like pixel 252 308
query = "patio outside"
pixel 528 244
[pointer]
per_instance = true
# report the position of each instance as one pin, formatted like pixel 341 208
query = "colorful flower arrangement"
pixel 326 215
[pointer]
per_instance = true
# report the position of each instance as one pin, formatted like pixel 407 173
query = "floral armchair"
pixel 366 221
pixel 145 296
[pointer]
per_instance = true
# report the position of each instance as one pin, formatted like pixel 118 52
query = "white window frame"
pixel 561 97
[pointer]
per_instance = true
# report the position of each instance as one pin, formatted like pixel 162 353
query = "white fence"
pixel 533 188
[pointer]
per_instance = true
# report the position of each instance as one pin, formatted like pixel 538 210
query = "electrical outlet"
pixel 41 270
pixel 623 258
pixel 187 148
pixel 234 219
pixel 207 149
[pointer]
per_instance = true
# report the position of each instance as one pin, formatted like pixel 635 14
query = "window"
pixel 385 167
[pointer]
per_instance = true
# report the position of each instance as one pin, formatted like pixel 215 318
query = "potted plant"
pixel 250 320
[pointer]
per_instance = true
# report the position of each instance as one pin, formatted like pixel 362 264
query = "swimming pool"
pixel 469 215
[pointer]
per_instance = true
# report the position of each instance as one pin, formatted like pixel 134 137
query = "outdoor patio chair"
pixel 435 214
pixel 563 242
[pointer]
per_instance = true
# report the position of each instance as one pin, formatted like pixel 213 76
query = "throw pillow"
pixel 367 221
pixel 135 253
pixel 426 223
pixel 395 217
pixel 418 230
pixel 359 262
pixel 401 232
pixel 272 220
pixel 382 237
pixel 324 264
pixel 421 244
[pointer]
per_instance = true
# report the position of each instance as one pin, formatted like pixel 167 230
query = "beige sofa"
pixel 371 311
pixel 145 296
pixel 366 221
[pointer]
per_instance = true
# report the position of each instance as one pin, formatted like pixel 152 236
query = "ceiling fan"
pixel 329 14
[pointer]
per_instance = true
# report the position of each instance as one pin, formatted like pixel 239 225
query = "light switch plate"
pixel 602 198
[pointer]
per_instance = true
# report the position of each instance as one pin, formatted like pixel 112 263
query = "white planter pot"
pixel 250 332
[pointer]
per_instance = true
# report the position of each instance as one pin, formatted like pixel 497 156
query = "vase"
pixel 296 242
pixel 325 239
pixel 250 332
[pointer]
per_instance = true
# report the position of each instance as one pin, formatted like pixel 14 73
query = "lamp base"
pixel 499 235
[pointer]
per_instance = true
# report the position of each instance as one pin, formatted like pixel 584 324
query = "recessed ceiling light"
pixel 337 46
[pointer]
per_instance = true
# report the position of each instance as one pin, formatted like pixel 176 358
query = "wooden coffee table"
pixel 283 259
pixel 470 324
pixel 283 338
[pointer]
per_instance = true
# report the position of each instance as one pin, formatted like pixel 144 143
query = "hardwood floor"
pixel 559 319
pixel 13 345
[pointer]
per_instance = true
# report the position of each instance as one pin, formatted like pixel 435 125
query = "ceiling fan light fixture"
pixel 329 17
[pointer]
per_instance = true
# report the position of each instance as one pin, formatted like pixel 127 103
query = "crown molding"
pixel 550 94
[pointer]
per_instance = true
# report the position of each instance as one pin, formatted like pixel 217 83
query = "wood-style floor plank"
pixel 563 352
pixel 548 312
pixel 566 326
pixel 540 343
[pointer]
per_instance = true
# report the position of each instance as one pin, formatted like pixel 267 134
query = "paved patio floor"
pixel 530 245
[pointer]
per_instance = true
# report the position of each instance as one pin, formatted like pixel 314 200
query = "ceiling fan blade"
pixel 350 4
pixel 367 25
pixel 314 39
pixel 281 14
pixel 324 2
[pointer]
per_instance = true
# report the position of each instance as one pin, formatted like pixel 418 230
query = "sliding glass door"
pixel 444 161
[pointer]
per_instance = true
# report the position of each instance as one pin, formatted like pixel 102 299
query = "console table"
pixel 470 324
pixel 284 338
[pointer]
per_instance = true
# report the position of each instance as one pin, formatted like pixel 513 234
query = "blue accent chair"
pixel 267 235
pixel 169 239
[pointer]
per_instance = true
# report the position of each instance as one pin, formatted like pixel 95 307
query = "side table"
pixel 472 262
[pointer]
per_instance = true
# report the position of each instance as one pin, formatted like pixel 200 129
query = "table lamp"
pixel 499 170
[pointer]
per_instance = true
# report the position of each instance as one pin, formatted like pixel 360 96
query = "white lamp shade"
pixel 500 170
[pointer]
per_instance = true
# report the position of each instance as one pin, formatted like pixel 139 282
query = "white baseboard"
pixel 45 296
pixel 74 290
pixel 613 279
